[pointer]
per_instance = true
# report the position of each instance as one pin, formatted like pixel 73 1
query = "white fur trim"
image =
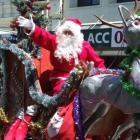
pixel 72 24
pixel 54 125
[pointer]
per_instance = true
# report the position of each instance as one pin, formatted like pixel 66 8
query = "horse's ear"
pixel 125 14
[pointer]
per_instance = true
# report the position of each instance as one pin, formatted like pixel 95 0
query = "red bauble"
pixel 48 6
pixel 33 0
pixel 14 24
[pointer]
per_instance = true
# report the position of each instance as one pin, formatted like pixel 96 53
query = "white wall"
pixel 107 8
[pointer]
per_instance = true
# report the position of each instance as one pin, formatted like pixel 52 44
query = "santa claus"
pixel 67 48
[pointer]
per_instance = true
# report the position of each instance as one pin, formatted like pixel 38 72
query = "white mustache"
pixel 68 47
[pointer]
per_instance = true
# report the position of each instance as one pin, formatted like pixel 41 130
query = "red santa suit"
pixel 61 126
pixel 61 68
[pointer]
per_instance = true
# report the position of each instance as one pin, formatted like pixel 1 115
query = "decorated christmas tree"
pixel 38 11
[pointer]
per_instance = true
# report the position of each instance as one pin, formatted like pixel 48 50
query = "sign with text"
pixel 117 38
pixel 105 38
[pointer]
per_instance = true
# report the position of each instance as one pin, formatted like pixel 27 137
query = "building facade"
pixel 7 13
pixel 86 9
pixel 108 42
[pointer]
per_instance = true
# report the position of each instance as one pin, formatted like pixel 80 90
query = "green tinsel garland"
pixel 132 53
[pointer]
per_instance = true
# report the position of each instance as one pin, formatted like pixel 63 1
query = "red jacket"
pixel 62 68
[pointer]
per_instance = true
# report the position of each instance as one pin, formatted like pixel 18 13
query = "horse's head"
pixel 131 24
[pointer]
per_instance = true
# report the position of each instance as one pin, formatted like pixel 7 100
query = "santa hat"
pixel 72 24
pixel 74 20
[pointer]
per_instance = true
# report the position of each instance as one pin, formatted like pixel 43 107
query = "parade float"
pixel 106 103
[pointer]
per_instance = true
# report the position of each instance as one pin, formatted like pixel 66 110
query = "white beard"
pixel 68 47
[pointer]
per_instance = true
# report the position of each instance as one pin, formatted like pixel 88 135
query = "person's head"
pixel 69 39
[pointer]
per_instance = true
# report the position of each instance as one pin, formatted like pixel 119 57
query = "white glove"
pixel 32 110
pixel 26 23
